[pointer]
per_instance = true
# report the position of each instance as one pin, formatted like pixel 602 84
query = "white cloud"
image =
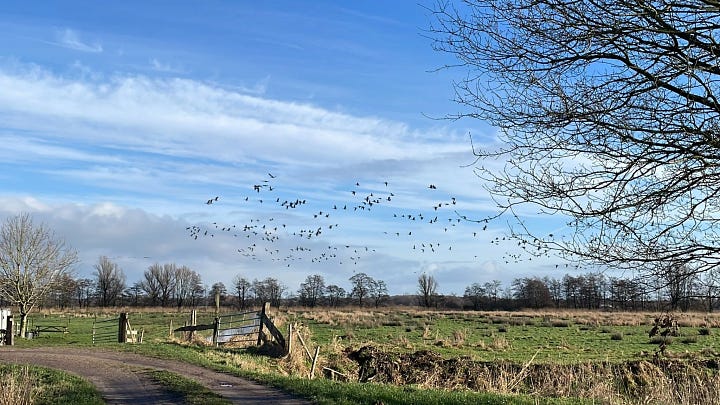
pixel 192 119
pixel 71 39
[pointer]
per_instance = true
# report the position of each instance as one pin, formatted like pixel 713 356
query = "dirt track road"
pixel 122 378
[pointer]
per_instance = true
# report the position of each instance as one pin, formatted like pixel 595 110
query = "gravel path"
pixel 122 378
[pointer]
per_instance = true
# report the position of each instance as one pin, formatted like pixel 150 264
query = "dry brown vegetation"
pixel 666 381
pixel 676 378
pixel 386 315
pixel 18 388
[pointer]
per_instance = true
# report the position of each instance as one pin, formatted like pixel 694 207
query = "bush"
pixel 616 336
pixel 689 339
pixel 657 339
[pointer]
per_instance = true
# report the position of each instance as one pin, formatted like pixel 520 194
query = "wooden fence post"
pixel 263 316
pixel 216 328
pixel 9 331
pixel 193 322
pixel 289 339
pixel 122 327
pixel 314 362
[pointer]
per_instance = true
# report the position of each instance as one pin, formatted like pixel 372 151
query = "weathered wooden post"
pixel 193 322
pixel 263 316
pixel 9 331
pixel 122 327
pixel 216 328
pixel 288 342
pixel 314 362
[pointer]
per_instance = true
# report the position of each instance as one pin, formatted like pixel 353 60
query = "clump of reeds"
pixel 459 336
pixel 18 387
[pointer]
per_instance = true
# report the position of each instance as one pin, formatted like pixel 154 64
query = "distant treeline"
pixel 169 285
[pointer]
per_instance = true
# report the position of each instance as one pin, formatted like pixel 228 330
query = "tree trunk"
pixel 23 323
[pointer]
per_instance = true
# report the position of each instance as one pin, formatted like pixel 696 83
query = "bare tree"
pixel 187 283
pixel 32 263
pixel 159 283
pixel 607 114
pixel 532 292
pixel 378 292
pixel 110 281
pixel 312 290
pixel 242 290
pixel 83 291
pixel 679 281
pixel 268 290
pixel 362 286
pixel 427 290
pixel 63 295
pixel 477 295
pixel 335 294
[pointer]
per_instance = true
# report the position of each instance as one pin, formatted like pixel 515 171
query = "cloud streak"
pixel 70 39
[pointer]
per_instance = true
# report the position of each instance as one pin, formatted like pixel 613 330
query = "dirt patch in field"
pixel 122 378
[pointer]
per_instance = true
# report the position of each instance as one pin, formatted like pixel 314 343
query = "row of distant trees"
pixel 677 289
pixel 35 270
pixel 171 285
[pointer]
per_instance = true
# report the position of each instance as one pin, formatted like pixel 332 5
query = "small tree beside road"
pixel 32 263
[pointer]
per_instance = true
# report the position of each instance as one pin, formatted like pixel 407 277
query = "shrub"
pixel 657 339
pixel 616 336
pixel 689 339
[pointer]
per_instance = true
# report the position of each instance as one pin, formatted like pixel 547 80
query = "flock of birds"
pixel 296 230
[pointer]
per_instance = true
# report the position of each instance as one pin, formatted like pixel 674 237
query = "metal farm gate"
pixel 238 327
pixel 247 326
pixel 115 330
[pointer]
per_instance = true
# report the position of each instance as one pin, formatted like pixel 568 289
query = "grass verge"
pixel 27 384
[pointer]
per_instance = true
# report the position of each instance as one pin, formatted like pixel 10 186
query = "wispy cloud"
pixel 165 67
pixel 69 38
pixel 188 118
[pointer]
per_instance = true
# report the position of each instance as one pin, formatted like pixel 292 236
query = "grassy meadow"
pixel 423 356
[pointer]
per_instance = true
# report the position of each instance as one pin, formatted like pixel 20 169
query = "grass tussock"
pixel 18 387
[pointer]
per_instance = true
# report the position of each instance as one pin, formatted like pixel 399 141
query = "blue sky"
pixel 120 120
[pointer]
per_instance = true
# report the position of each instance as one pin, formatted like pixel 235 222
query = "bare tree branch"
pixel 607 115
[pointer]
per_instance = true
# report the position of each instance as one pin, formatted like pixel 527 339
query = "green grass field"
pixel 566 344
